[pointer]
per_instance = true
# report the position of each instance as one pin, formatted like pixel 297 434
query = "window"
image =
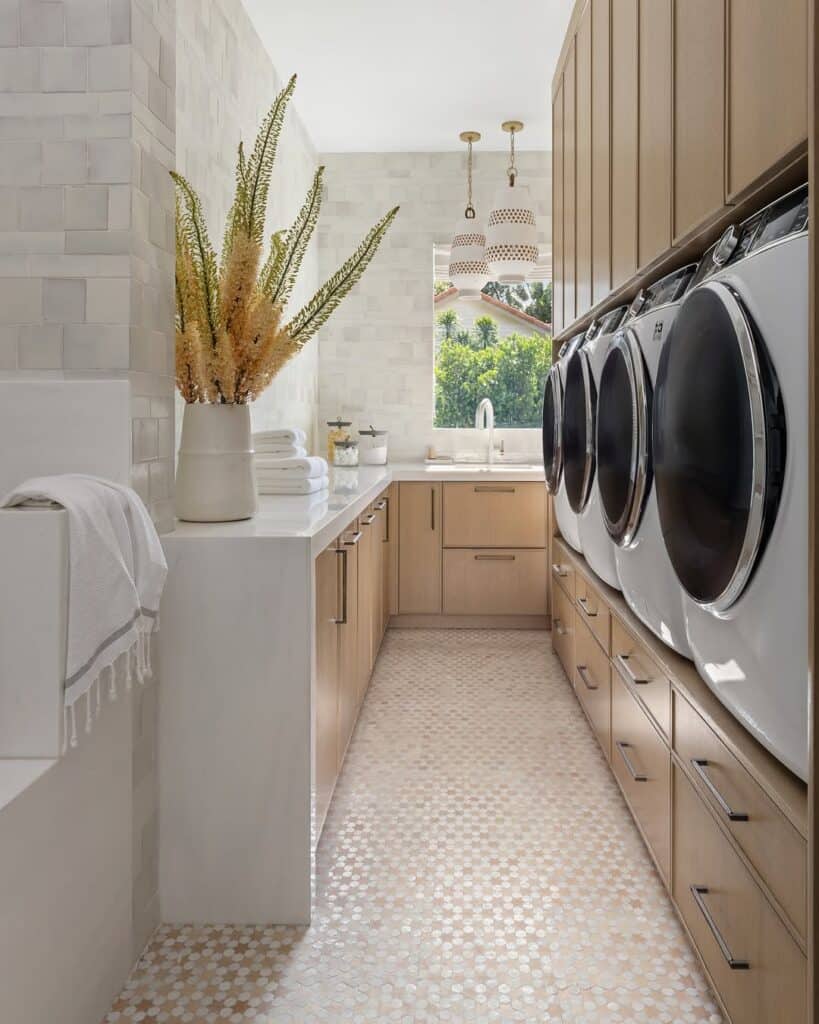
pixel 497 347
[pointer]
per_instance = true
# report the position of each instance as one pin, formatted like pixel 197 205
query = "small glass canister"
pixel 373 446
pixel 345 453
pixel 338 432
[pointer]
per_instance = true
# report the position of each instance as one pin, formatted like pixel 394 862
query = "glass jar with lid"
pixel 373 446
pixel 338 431
pixel 345 453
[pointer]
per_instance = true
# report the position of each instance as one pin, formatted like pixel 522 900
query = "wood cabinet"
pixel 558 268
pixel 569 189
pixel 639 670
pixel 601 149
pixel 583 162
pixel 419 549
pixel 367 569
pixel 502 515
pixel 328 596
pixel 494 582
pixel 767 86
pixel 654 131
pixel 563 629
pixel 592 683
pixel 624 148
pixel 698 112
pixel 348 656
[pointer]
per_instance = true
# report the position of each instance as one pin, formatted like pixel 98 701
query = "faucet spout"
pixel 485 419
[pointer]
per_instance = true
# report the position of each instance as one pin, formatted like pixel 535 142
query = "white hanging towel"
pixel 282 436
pixel 117 571
pixel 294 467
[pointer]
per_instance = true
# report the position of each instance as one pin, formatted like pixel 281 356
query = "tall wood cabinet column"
pixel 583 145
pixel 601 149
pixel 624 139
pixel 654 130
pixel 558 273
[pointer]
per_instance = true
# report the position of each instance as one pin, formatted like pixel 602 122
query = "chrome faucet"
pixel 485 419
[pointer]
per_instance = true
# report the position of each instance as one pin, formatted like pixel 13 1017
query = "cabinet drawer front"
pixel 497 582
pixel 730 919
pixel 594 611
pixel 563 574
pixel 495 515
pixel 592 683
pixel 633 663
pixel 563 631
pixel 765 835
pixel 642 764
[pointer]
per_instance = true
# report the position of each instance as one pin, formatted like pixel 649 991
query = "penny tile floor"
pixel 478 865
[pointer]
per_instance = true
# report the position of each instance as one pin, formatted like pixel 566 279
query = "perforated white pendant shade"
pixel 511 235
pixel 467 264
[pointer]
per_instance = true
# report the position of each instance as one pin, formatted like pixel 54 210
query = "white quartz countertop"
pixel 319 518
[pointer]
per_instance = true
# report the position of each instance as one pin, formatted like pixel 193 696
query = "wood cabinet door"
pixel 569 189
pixel 349 680
pixel 366 600
pixel 583 146
pixel 557 209
pixel 328 606
pixel 505 514
pixel 419 549
pixel 386 561
pixel 699 112
pixel 376 580
pixel 601 148
pixel 767 86
pixel 654 131
pixel 624 129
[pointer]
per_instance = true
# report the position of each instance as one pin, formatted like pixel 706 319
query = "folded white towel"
pixel 308 486
pixel 286 435
pixel 289 451
pixel 293 467
pixel 116 574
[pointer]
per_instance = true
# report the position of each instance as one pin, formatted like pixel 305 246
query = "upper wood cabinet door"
pixel 419 549
pixel 654 133
pixel 569 190
pixel 583 140
pixel 557 210
pixel 699 112
pixel 767 85
pixel 601 149
pixel 624 129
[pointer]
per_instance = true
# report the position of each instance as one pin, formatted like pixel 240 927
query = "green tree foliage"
pixel 442 286
pixel 534 299
pixel 510 371
pixel 447 321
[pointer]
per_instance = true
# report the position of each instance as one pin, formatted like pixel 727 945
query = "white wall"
pixel 225 85
pixel 376 352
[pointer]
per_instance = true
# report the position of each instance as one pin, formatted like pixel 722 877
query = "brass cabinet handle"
pixel 381 505
pixel 559 570
pixel 622 747
pixel 342 619
pixel 698 892
pixel 494 489
pixel 495 558
pixel 582 671
pixel 354 539
pixel 584 605
pixel 699 765
pixel 385 505
pixel 432 508
pixel 622 661
pixel 558 627
pixel 368 520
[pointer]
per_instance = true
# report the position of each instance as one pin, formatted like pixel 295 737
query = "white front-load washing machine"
pixel 731 443
pixel 624 464
pixel 579 458
pixel 553 442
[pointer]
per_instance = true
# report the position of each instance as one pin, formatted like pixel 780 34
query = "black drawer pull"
pixel 622 747
pixel 584 675
pixel 698 891
pixel 699 765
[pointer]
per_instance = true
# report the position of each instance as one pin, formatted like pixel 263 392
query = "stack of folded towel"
pixel 283 465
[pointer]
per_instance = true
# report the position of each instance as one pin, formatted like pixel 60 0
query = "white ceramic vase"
pixel 215 475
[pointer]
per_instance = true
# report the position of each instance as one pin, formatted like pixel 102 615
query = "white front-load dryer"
pixel 624 463
pixel 731 469
pixel 579 458
pixel 553 443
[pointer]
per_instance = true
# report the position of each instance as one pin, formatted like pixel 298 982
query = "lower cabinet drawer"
pixel 497 582
pixel 592 683
pixel 594 610
pixel 642 763
pixel 563 575
pixel 757 968
pixel 563 630
pixel 631 660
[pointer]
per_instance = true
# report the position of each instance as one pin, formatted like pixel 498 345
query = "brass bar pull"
pixel 584 605
pixel 623 664
pixel 582 671
pixel 559 570
pixel 698 892
pixel 494 489
pixel 385 504
pixel 432 508
pixel 354 539
pixel 558 627
pixel 622 747
pixel 699 765
pixel 342 619
pixel 381 505
pixel 494 558
pixel 368 520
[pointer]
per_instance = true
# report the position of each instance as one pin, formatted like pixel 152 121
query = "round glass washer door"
pixel 579 403
pixel 718 445
pixel 553 430
pixel 623 438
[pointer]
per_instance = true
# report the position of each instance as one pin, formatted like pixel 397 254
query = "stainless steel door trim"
pixel 554 471
pixel 590 400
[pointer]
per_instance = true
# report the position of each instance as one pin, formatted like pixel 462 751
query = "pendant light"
pixel 467 263
pixel 511 234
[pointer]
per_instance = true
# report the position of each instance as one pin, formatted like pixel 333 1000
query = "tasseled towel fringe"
pixel 135 661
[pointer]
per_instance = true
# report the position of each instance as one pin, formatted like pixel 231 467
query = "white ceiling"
pixel 389 76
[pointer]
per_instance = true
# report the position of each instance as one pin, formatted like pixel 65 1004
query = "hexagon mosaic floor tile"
pixel 478 865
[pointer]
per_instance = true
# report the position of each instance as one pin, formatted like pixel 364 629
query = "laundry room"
pixel 409 519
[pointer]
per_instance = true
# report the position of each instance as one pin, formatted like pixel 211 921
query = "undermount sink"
pixel 481 467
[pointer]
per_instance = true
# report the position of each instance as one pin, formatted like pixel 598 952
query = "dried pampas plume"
pixel 230 337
